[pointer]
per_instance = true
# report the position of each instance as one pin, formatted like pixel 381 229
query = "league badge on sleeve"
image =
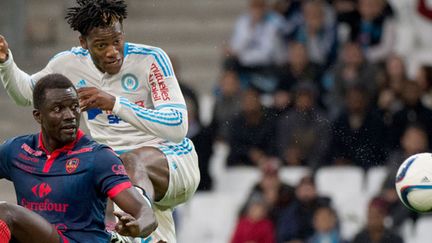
pixel 72 165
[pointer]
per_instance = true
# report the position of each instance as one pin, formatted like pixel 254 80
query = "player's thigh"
pixel 27 226
pixel 152 162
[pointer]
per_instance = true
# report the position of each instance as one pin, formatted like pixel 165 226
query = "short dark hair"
pixel 50 81
pixel 91 14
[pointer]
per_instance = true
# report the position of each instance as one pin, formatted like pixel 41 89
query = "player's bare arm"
pixel 4 47
pixel 138 219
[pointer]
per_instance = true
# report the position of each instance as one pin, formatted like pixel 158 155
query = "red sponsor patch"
pixel 72 165
pixel 119 169
pixel 41 190
pixel 157 82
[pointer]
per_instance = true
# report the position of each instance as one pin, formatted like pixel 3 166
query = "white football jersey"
pixel 149 107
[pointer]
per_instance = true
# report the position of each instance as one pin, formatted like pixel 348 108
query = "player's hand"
pixel 4 47
pixel 129 226
pixel 92 97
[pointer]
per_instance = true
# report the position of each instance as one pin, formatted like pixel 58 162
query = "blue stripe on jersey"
pixel 162 115
pixel 155 116
pixel 75 50
pixel 160 56
pixel 179 106
pixel 179 149
pixel 79 51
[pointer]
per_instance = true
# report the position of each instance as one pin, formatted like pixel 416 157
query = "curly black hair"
pixel 91 14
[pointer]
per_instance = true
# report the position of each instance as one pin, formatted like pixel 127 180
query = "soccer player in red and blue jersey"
pixel 63 179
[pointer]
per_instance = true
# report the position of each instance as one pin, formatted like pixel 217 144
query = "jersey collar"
pixel 67 147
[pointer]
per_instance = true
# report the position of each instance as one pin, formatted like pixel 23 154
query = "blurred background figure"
pixel 303 132
pixel 277 194
pixel 254 225
pixel 326 226
pixel 295 223
pixel 358 133
pixel 374 30
pixel 251 132
pixel 375 230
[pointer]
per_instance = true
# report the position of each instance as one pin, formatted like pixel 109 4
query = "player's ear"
pixel 83 42
pixel 37 116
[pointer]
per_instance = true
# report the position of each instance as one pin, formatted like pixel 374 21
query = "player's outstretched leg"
pixel 148 168
pixel 25 225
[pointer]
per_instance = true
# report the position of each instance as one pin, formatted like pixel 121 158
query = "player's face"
pixel 59 116
pixel 106 47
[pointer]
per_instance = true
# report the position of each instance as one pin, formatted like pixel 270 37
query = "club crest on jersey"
pixel 72 165
pixel 129 82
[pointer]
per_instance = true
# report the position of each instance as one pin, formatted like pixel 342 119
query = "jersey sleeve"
pixel 18 84
pixel 110 174
pixel 169 118
pixel 5 165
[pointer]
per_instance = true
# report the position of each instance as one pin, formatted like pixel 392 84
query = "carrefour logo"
pixel 129 82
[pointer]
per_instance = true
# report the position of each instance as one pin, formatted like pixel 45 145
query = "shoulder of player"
pixel 141 49
pixel 73 53
pixel 18 141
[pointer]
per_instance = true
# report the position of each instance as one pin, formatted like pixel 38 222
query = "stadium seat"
pixel 7 191
pixel 344 185
pixel 375 177
pixel 407 231
pixel 238 181
pixel 208 217
pixel 423 229
pixel 293 174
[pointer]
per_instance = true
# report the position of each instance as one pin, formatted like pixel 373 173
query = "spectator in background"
pixel 413 111
pixel 375 230
pixel 414 140
pixel 253 43
pixel 202 136
pixel 254 226
pixel 251 132
pixel 291 12
pixel 298 68
pixel 271 188
pixel 227 104
pixel 391 84
pixel 295 223
pixel 351 69
pixel 424 79
pixel 303 132
pixel 358 132
pixel 326 226
pixel 374 30
pixel 318 32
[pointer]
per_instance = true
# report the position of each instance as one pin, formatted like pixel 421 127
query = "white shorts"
pixel 183 181
pixel 184 173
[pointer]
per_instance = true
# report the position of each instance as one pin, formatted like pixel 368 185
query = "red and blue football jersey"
pixel 68 187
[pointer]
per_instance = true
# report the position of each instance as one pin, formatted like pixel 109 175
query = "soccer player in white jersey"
pixel 133 103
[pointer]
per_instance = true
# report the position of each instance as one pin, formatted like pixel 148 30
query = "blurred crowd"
pixel 320 83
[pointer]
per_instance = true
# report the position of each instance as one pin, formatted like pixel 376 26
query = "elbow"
pixel 179 134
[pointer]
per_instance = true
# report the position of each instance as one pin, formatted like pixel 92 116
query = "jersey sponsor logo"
pixel 24 167
pixel 72 165
pixel 31 151
pixel 41 190
pixel 129 82
pixel 80 151
pixel 46 205
pixel 27 158
pixel 159 89
pixel 119 169
pixel 93 112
